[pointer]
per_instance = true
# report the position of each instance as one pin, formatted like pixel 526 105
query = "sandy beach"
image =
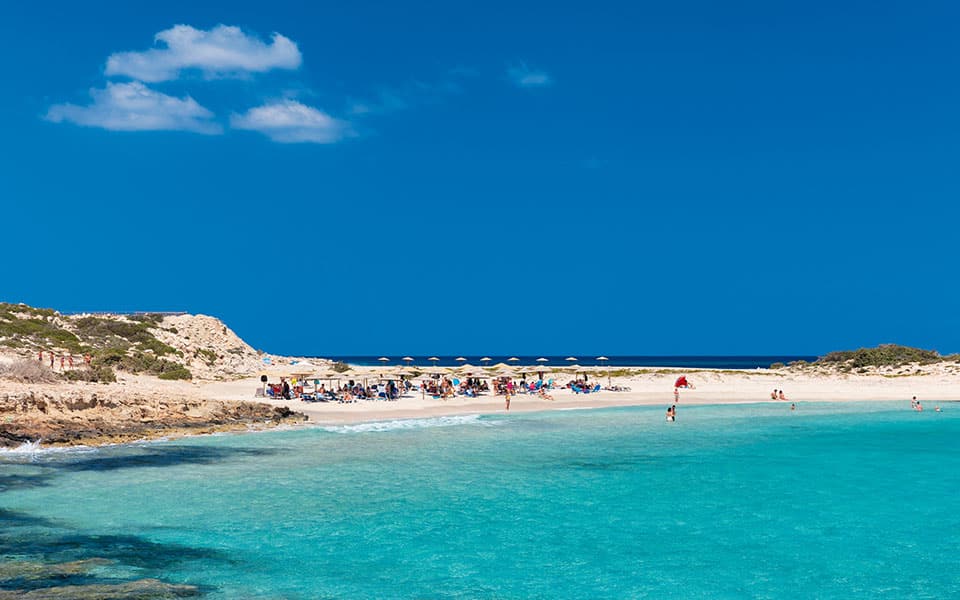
pixel 934 383
pixel 142 406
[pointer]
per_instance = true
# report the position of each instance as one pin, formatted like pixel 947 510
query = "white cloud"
pixel 288 121
pixel 135 107
pixel 220 51
pixel 523 76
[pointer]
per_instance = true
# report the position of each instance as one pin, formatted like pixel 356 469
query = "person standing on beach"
pixel 507 396
pixel 676 394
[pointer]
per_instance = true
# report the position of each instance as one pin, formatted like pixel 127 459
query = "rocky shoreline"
pixel 53 417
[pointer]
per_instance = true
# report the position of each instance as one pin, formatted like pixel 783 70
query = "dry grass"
pixel 27 371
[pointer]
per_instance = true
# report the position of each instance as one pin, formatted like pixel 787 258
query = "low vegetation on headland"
pixel 40 347
pixel 96 347
pixel 887 358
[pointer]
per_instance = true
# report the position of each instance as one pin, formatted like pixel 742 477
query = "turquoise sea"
pixel 753 501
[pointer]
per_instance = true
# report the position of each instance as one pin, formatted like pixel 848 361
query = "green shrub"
pixel 179 372
pixel 6 307
pixel 885 355
pixel 153 318
pixel 340 367
pixel 209 356
pixel 38 331
pixel 158 347
pixel 109 356
pixel 101 374
pixel 777 365
pixel 98 331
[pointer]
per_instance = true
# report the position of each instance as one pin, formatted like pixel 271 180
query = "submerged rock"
pixel 31 571
pixel 142 589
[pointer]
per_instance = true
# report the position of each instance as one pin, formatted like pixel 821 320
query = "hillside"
pixel 94 347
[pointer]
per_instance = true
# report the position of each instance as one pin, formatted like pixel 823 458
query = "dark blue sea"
pixel 691 362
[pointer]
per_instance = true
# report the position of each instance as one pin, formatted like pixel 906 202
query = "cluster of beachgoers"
pixel 356 393
pixel 302 381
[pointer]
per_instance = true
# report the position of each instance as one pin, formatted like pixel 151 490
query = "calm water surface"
pixel 830 501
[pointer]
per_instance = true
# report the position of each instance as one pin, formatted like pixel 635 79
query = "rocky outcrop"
pixel 210 349
pixel 87 418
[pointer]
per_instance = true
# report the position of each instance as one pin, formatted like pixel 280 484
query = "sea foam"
pixel 36 449
pixel 400 424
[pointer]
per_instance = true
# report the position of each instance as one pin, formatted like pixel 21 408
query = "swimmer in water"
pixel 793 407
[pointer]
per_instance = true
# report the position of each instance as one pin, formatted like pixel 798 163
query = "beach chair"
pixel 596 388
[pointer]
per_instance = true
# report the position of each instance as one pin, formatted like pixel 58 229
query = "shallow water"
pixel 833 500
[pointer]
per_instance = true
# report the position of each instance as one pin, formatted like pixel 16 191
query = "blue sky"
pixel 490 177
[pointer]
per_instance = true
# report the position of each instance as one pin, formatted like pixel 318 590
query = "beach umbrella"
pixel 513 359
pixel 276 371
pixel 384 359
pixel 571 358
pixel 460 359
pixel 542 368
pixel 407 359
pixel 434 360
pixel 603 360
pixel 578 369
pixel 302 368
pixel 485 360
